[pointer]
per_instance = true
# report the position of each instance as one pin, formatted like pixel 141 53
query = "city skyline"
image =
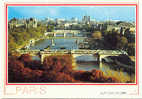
pixel 101 13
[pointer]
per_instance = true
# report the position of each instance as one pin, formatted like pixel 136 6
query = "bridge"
pixel 62 32
pixel 75 53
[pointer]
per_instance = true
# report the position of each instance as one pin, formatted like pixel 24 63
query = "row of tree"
pixel 19 36
pixel 114 40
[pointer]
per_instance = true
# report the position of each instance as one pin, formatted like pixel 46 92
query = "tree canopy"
pixel 97 35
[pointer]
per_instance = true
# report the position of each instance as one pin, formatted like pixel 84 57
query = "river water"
pixel 84 62
pixel 66 43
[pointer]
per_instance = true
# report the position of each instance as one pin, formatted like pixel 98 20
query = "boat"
pixel 62 48
pixel 52 42
pixel 47 48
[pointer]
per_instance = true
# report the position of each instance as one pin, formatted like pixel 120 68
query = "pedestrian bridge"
pixel 75 53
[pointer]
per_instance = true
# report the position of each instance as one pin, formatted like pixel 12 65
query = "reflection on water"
pixel 88 62
pixel 87 66
pixel 35 58
pixel 86 57
pixel 107 70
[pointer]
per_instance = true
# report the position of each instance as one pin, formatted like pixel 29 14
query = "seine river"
pixel 84 62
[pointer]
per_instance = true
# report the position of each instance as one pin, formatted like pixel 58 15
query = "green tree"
pixel 50 28
pixel 122 43
pixel 97 35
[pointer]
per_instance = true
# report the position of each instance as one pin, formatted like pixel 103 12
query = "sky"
pixel 100 13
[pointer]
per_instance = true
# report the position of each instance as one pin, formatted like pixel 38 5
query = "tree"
pixel 124 40
pixel 111 39
pixel 27 74
pixel 50 28
pixel 59 63
pixel 35 65
pixel 131 49
pixel 30 75
pixel 97 35
pixel 11 46
pixel 48 62
pixel 15 69
pixel 88 28
pixel 122 43
pixel 26 59
pixel 62 77
pixel 97 75
pixel 19 36
pixel 49 76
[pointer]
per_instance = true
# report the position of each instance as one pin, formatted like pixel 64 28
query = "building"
pixel 59 21
pixel 12 23
pixel 86 20
pixel 92 21
pixel 31 23
pixel 74 20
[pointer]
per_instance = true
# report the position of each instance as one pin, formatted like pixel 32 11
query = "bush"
pixel 62 77
pixel 26 59
pixel 15 68
pixel 60 63
pixel 97 75
pixel 49 76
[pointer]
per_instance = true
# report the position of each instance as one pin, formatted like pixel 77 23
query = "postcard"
pixel 71 50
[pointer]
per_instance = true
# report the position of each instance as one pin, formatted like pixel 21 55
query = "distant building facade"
pixel 86 19
pixel 31 23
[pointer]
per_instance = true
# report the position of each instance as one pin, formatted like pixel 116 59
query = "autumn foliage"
pixel 58 63
pixel 55 69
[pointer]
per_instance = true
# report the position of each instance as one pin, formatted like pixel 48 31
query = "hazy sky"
pixel 123 13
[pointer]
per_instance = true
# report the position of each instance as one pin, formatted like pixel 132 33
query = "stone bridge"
pixel 75 53
pixel 63 32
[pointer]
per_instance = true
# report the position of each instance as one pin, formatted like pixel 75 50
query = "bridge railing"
pixel 80 51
